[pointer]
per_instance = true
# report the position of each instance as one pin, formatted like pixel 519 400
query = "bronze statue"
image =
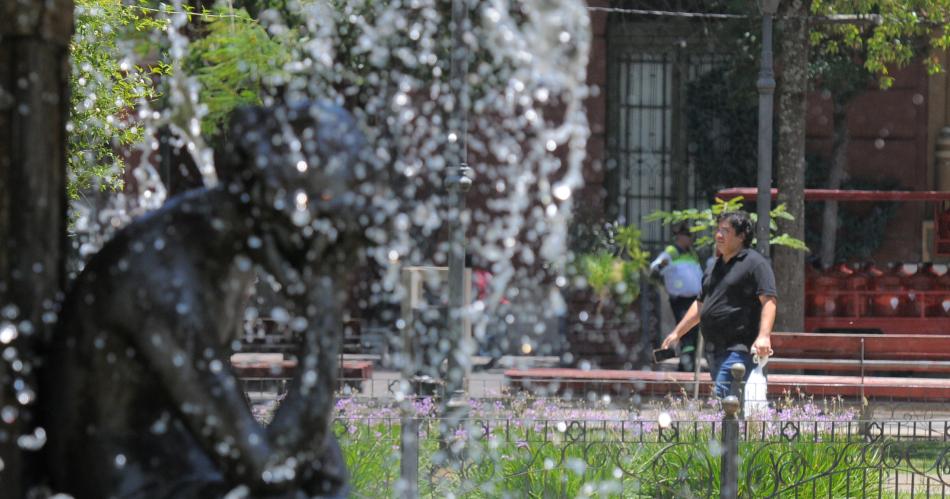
pixel 138 395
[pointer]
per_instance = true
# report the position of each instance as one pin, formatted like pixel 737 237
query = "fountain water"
pixel 388 64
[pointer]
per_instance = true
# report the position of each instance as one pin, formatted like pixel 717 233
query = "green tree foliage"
pixel 886 33
pixel 231 55
pixel 703 222
pixel 105 86
pixel 235 62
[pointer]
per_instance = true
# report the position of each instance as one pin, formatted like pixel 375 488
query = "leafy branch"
pixel 702 223
pixel 614 271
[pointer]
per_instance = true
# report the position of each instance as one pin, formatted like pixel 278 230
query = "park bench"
pixel 275 366
pixel 902 367
pixel 869 354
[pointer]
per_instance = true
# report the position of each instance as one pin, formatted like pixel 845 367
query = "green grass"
pixel 527 463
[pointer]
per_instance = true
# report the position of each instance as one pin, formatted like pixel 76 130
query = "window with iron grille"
pixel 651 159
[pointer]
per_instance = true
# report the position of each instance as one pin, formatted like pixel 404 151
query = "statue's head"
pixel 301 170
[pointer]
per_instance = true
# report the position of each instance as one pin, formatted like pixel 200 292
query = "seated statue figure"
pixel 138 397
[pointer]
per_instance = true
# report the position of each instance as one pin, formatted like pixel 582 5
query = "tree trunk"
pixel 839 163
pixel 34 103
pixel 789 264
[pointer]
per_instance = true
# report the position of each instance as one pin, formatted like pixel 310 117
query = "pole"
pixel 729 462
pixel 698 358
pixel 457 182
pixel 408 451
pixel 766 86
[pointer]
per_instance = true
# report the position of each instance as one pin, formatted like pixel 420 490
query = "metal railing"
pixel 521 446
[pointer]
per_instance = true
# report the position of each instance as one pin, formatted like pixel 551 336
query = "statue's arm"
pixel 302 421
pixel 208 397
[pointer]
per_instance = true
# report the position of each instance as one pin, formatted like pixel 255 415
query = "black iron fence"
pixel 527 447
pixel 547 458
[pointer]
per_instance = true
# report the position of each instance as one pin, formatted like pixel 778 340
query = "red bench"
pixel 659 383
pixel 273 366
pixel 907 367
pixel 861 353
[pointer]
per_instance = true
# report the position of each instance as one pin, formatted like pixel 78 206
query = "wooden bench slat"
pixel 663 383
pixel 877 347
pixel 349 369
pixel 854 365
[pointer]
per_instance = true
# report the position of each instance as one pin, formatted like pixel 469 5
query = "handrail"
pixel 751 193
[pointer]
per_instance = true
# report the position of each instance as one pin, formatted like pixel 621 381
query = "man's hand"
pixel 763 343
pixel 762 347
pixel 671 340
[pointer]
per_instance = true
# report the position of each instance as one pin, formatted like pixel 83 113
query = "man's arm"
pixel 661 261
pixel 763 343
pixel 690 320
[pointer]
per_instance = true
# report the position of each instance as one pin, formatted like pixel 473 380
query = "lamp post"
pixel 766 86
pixel 457 182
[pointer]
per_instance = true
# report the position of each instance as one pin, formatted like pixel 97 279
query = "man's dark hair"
pixel 740 222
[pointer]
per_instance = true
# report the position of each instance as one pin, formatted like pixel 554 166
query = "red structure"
pixel 860 297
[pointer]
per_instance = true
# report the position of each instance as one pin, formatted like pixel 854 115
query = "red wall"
pixel 888 130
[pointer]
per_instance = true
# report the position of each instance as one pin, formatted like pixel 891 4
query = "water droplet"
pixel 120 460
pixel 9 414
pixel 280 315
pixel 10 311
pixel 25 396
pixel 243 263
pixel 239 492
pixel 8 333
pixel 159 427
pixel 562 191
pixel 310 378
pixel 300 200
pixel 32 441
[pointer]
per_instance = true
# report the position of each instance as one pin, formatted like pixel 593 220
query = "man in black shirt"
pixel 737 304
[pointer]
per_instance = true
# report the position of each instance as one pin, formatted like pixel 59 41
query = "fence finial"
pixel 738 372
pixel 730 405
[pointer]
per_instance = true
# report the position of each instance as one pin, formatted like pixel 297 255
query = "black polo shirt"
pixel 730 296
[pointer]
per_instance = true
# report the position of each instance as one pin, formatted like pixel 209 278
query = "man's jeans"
pixel 720 371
